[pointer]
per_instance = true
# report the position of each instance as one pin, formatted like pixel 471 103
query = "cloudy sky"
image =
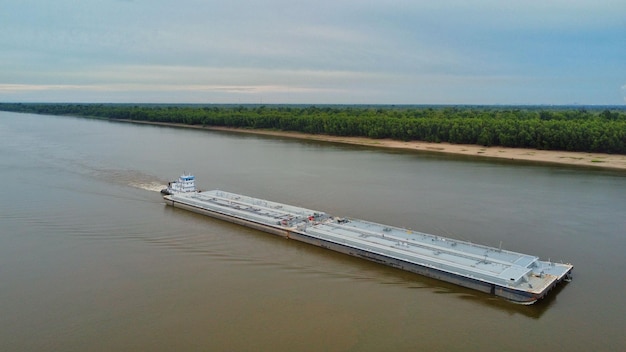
pixel 314 52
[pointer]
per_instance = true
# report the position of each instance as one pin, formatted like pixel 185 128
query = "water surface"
pixel 92 259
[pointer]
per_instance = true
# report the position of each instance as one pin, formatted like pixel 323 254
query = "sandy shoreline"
pixel 598 160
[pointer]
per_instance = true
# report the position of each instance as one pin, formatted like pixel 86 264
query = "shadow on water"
pixel 534 311
pixel 415 281
pixel 362 270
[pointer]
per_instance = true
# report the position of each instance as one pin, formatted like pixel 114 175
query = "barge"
pixel 516 277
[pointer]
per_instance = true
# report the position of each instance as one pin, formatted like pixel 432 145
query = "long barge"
pixel 517 277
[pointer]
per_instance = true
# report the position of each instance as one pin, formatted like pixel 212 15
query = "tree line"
pixel 570 129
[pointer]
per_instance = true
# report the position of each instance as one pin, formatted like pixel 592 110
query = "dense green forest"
pixel 571 129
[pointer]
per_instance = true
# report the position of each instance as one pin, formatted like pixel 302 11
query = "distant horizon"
pixel 556 106
pixel 396 52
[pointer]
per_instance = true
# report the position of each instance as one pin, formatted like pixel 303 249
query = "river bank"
pixel 598 160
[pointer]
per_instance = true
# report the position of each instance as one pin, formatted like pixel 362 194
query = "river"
pixel 92 259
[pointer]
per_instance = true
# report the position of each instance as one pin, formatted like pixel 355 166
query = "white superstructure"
pixel 186 183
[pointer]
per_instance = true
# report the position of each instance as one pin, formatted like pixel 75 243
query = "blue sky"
pixel 314 52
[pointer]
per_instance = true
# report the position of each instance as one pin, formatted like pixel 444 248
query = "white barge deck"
pixel 514 276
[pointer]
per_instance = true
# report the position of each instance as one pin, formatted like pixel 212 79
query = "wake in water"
pixel 150 186
pixel 131 178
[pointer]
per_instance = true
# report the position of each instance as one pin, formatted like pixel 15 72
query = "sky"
pixel 529 52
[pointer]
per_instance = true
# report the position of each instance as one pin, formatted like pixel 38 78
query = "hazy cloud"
pixel 397 51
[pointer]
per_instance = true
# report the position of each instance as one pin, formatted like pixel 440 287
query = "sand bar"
pixel 597 160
